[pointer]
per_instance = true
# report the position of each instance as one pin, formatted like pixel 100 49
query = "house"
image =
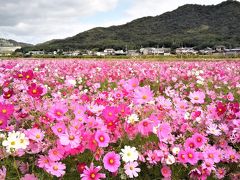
pixel 133 53
pixel 35 53
pixel 100 54
pixel 234 52
pixel 186 51
pixel 120 52
pixel 220 48
pixel 206 51
pixel 109 51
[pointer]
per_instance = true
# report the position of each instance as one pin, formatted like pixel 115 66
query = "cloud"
pixel 41 20
pixel 36 21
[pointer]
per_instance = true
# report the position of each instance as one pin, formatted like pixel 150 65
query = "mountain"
pixel 189 25
pixel 12 43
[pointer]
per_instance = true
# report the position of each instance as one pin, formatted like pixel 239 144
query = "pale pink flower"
pixel 131 169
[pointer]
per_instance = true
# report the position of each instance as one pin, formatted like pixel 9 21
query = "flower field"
pixel 90 120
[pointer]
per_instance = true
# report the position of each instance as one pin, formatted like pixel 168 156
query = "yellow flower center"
pixel 111 161
pixel 92 175
pixel 13 143
pixel 101 138
pixel 55 168
pixel 34 91
pixel 38 136
pixel 4 111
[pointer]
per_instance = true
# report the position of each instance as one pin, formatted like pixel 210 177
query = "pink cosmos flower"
pixel 145 127
pixel 92 173
pixel 6 110
pixel 102 138
pixel 166 171
pixel 3 172
pixel 182 157
pixel 131 169
pixel 131 84
pixel 35 134
pixel 43 161
pixel 199 140
pixel 29 177
pixel 142 95
pixel 70 139
pixel 3 122
pixel 59 128
pixel 123 110
pixel 56 168
pixel 197 97
pixel 35 91
pixel 55 154
pixel 211 154
pixel 58 111
pixel 191 156
pixel 190 143
pixel 152 157
pixel 163 130
pixel 111 161
pixel 220 173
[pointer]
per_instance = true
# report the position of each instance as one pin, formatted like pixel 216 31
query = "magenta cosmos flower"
pixel 143 95
pixel 92 173
pixel 6 110
pixel 35 91
pixel 102 138
pixel 197 97
pixel 111 161
pixel 56 169
pixel 3 122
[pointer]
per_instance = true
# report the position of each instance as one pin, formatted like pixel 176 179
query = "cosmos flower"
pixel 131 169
pixel 6 110
pixel 129 154
pixel 197 97
pixel 35 91
pixel 56 168
pixel 102 138
pixel 56 154
pixel 142 95
pixel 111 161
pixel 166 171
pixel 92 173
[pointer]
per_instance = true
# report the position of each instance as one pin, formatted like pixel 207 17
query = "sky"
pixel 37 21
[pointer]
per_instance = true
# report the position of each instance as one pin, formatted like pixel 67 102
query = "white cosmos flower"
pixel 15 141
pixel 129 154
pixel 133 118
pixel 175 150
pixel 170 159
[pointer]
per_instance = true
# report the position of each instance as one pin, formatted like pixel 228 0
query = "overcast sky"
pixel 36 21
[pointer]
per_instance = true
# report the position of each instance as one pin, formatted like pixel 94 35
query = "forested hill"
pixel 189 25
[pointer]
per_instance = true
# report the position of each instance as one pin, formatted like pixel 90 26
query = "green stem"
pixel 15 165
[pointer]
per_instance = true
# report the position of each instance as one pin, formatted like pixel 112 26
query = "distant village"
pixel 9 50
pixel 218 50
